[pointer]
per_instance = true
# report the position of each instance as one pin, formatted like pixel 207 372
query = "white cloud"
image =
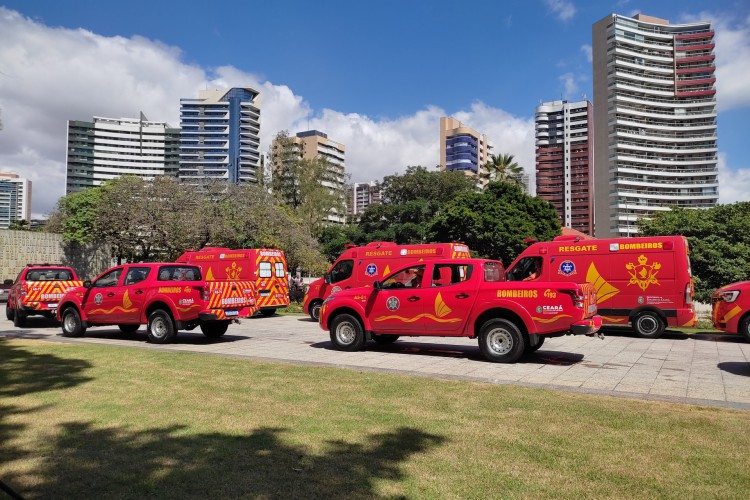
pixel 570 86
pixel 734 185
pixel 563 9
pixel 588 51
pixel 51 75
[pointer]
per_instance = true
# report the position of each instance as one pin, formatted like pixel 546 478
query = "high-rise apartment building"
pixel 15 199
pixel 312 144
pixel 655 116
pixel 107 148
pixel 563 161
pixel 361 195
pixel 220 136
pixel 461 147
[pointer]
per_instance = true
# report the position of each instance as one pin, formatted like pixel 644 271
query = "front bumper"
pixel 588 326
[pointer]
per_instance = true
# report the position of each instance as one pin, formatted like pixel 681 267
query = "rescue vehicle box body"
pixel 360 266
pixel 460 298
pixel 644 281
pixel 266 267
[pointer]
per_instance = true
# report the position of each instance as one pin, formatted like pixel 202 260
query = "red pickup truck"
pixel 461 298
pixel 731 308
pixel 167 297
pixel 37 290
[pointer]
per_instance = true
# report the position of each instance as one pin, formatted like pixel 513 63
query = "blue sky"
pixel 375 76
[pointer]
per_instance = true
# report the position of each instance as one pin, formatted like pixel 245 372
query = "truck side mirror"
pixel 87 284
pixel 377 285
pixel 327 278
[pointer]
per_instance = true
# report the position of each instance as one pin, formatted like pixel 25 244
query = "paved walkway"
pixel 700 369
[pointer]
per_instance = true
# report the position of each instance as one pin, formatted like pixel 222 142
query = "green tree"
pixel 495 222
pixel 20 225
pixel 76 217
pixel 718 238
pixel 418 183
pixel 502 168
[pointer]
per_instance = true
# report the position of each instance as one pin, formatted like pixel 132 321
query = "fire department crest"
pixel 392 303
pixel 233 271
pixel 643 274
pixel 98 298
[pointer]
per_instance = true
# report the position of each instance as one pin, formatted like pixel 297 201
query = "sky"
pixel 375 76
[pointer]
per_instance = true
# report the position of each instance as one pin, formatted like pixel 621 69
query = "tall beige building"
pixel 461 147
pixel 655 116
pixel 313 144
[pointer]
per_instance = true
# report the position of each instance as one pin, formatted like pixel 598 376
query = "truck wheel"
pixel 649 325
pixel 214 329
pixel 315 310
pixel 347 333
pixel 128 328
pixel 385 339
pixel 8 312
pixel 19 318
pixel 160 329
pixel 501 341
pixel 534 348
pixel 267 312
pixel 745 327
pixel 72 326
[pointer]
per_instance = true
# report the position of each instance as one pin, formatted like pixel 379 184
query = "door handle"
pixel 111 294
pixel 462 296
pixel 413 298
pixel 138 292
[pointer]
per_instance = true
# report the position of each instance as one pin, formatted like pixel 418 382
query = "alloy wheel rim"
pixel 500 341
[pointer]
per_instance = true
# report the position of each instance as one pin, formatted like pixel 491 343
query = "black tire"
pixel 385 339
pixel 8 312
pixel 214 329
pixel 501 341
pixel 315 310
pixel 347 333
pixel 72 326
pixel 649 325
pixel 128 328
pixel 161 328
pixel 744 328
pixel 267 312
pixel 534 348
pixel 19 318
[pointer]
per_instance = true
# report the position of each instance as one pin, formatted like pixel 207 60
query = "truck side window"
pixel 342 270
pixel 136 275
pixel 264 270
pixel 411 277
pixel 450 274
pixel 109 279
pixel 527 269
pixel 493 272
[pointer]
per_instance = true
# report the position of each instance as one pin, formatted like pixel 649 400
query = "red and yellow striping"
pixel 40 293
pixel 231 294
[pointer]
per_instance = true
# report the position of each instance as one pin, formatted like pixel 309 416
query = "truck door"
pixel 341 276
pixel 135 293
pixel 448 295
pixel 399 306
pixel 103 302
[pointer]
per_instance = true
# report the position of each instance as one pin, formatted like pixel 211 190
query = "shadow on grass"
pixel 98 463
pixel 24 372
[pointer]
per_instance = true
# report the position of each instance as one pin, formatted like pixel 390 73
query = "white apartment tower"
pixel 107 148
pixel 361 195
pixel 655 116
pixel 220 136
pixel 15 199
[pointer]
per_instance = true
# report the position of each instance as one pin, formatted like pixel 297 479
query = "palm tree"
pixel 502 168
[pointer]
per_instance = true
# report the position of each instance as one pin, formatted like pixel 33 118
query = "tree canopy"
pixel 502 168
pixel 495 222
pixel 719 242
pixel 159 219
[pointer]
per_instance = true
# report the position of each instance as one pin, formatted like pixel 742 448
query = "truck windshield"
pixel 342 270
pixel 527 269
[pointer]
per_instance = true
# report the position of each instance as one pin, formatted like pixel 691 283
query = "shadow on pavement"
pixel 735 367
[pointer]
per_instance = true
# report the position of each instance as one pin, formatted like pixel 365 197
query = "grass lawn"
pixel 86 421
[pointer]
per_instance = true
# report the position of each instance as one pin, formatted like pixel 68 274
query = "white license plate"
pixel 265 294
pixel 52 306
pixel 231 313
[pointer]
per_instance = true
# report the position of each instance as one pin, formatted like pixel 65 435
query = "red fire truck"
pixel 37 290
pixel 645 281
pixel 361 266
pixel 266 267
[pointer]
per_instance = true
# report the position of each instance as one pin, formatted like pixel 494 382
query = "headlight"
pixel 730 296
